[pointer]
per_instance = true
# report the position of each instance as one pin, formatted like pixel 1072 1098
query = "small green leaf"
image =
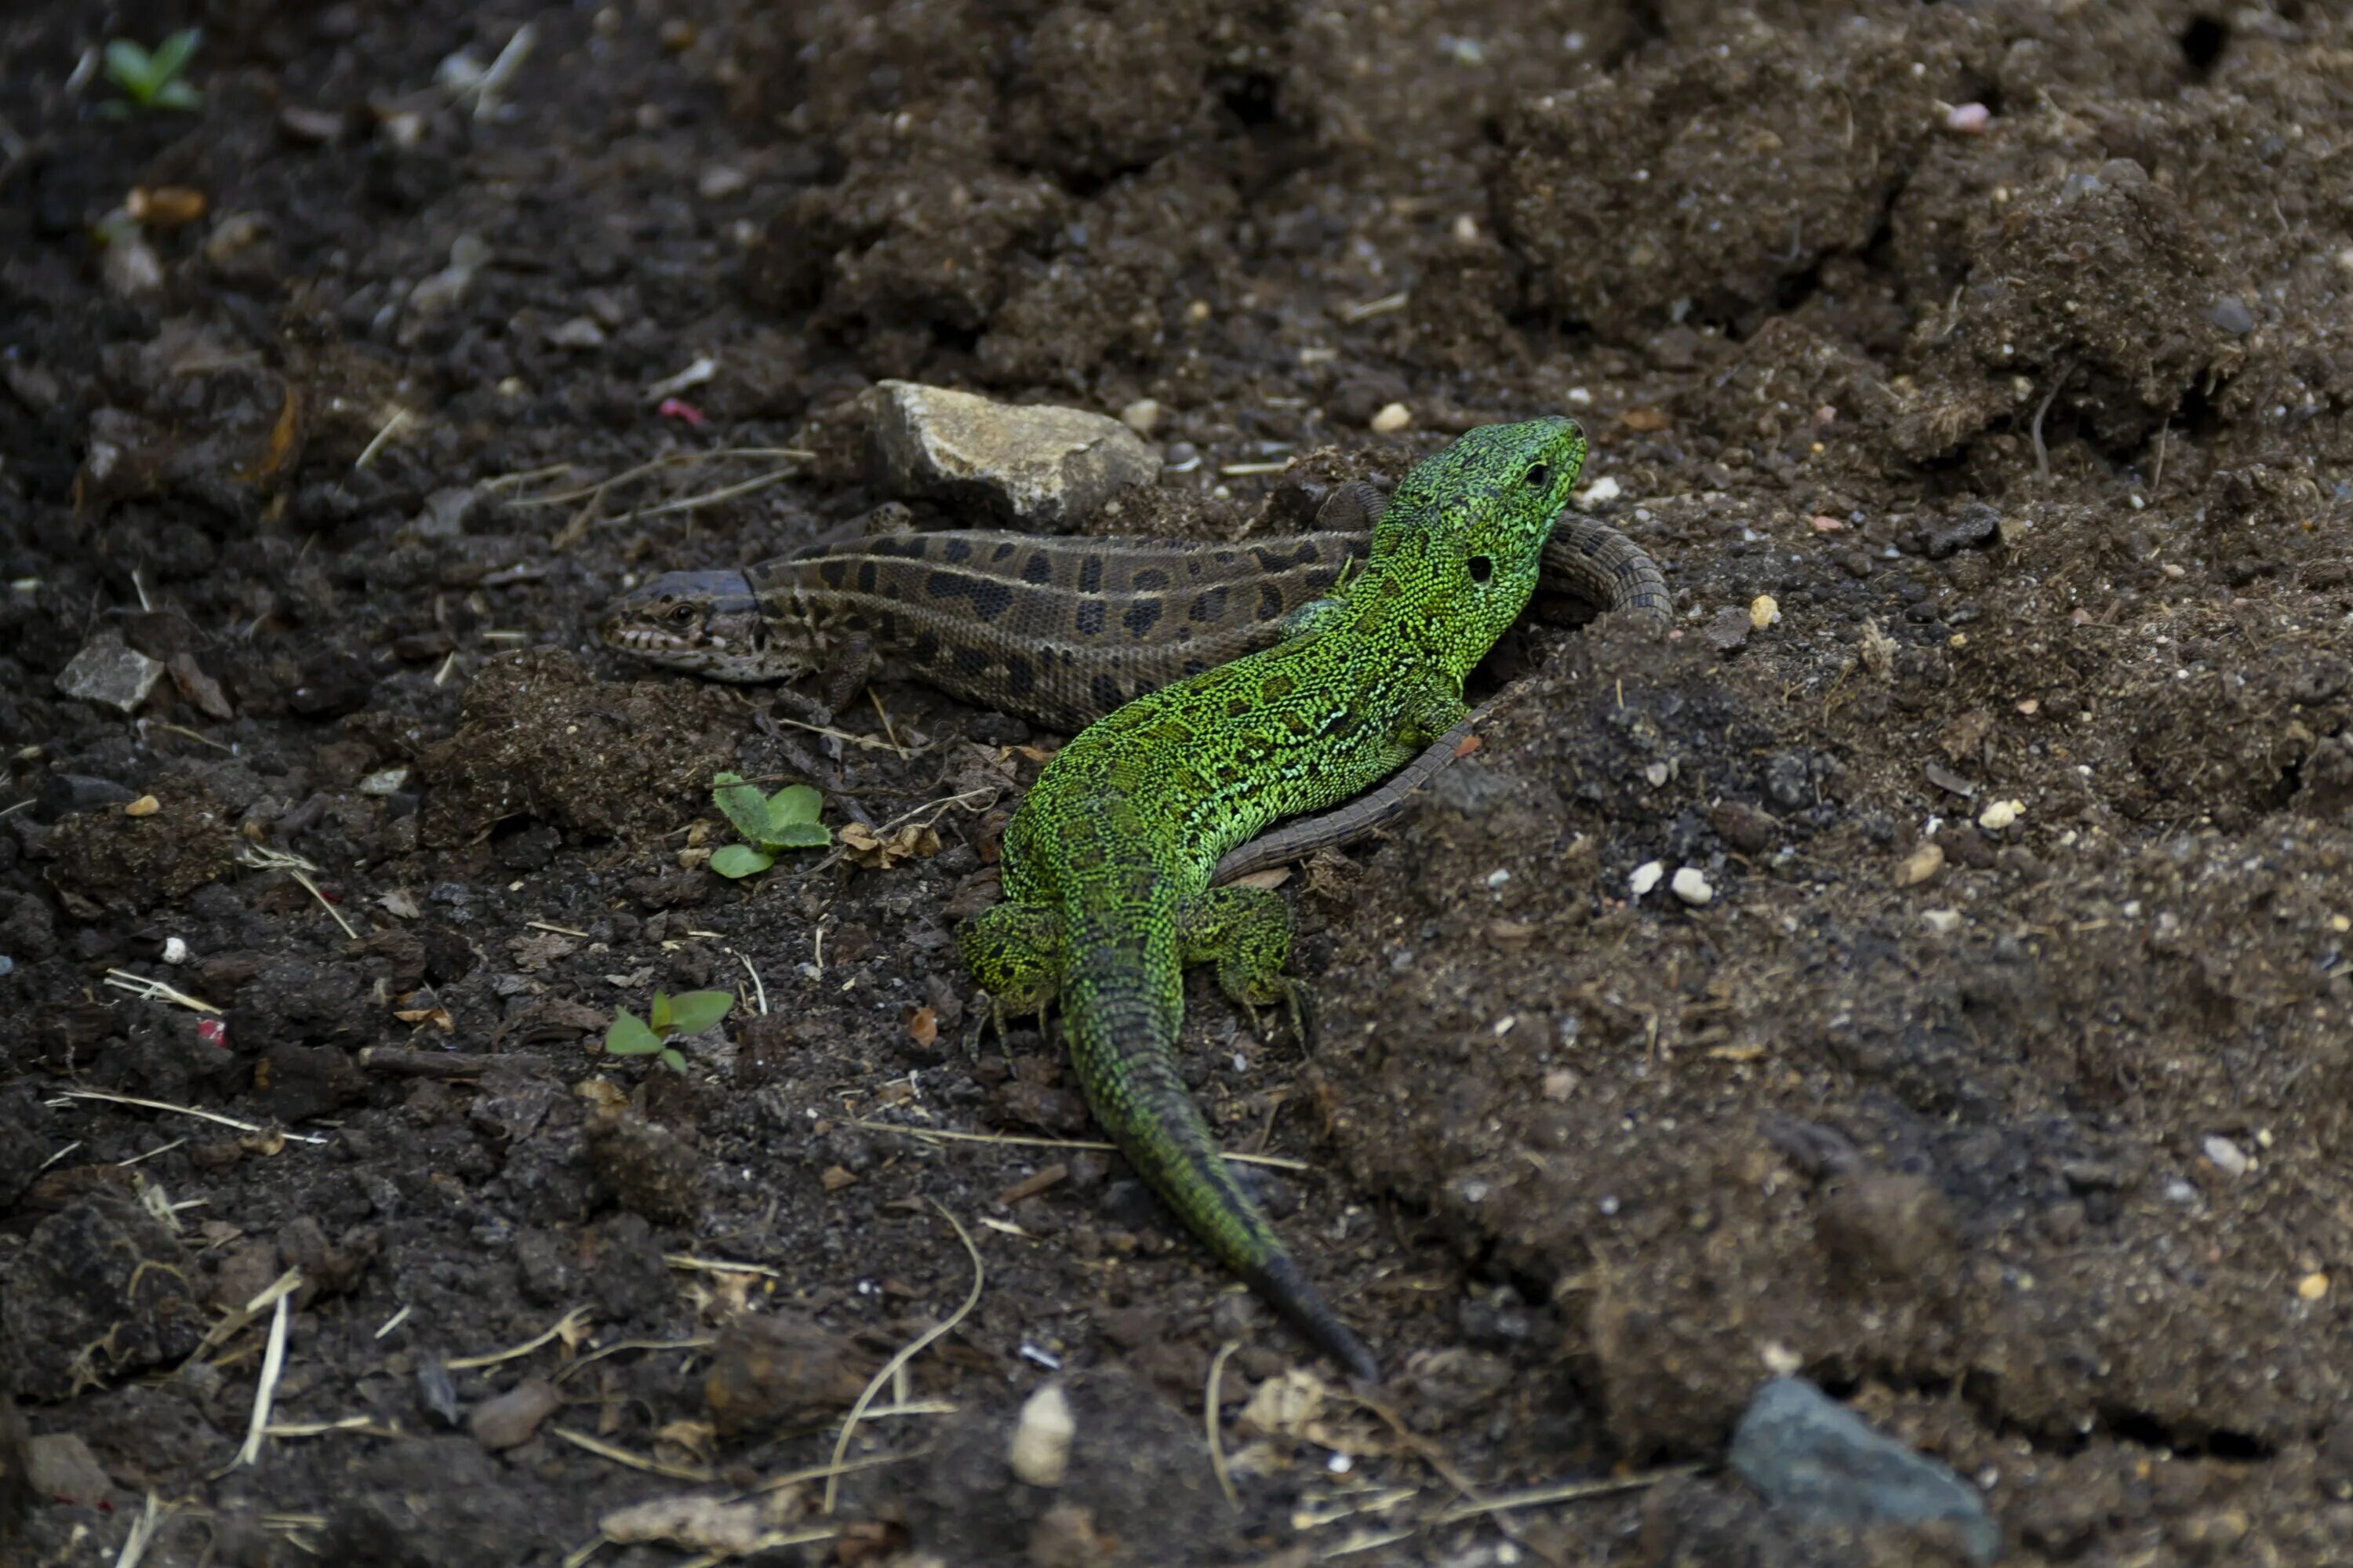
pixel 659 1014
pixel 742 805
pixel 131 67
pixel 740 860
pixel 628 1036
pixel 792 803
pixel 179 95
pixel 802 835
pixel 674 1062
pixel 172 54
pixel 691 1012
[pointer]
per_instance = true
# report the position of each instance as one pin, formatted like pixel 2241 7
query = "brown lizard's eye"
pixel 1481 569
pixel 682 616
pixel 1538 477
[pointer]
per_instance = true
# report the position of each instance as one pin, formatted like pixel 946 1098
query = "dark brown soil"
pixel 2029 1140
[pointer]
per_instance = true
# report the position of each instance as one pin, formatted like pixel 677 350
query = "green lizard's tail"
pixel 1122 1002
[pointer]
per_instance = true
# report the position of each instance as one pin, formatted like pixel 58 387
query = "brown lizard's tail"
pixel 1123 1041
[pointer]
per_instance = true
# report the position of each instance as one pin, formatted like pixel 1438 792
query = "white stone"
pixel 1645 877
pixel 1048 468
pixel 1041 1437
pixel 1691 886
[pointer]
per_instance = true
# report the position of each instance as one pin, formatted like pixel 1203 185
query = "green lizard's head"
pixel 709 622
pixel 1463 537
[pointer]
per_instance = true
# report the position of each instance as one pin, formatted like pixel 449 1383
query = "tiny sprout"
pixel 690 1013
pixel 769 823
pixel 151 80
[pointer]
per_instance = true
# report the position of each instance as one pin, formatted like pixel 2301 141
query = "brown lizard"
pixel 1060 631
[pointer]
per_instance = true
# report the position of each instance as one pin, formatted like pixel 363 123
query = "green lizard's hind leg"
pixel 1013 950
pixel 1246 933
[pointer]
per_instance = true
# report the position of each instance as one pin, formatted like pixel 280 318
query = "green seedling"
pixel 151 80
pixel 691 1013
pixel 769 823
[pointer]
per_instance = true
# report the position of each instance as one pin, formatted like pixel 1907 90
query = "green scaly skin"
pixel 1107 863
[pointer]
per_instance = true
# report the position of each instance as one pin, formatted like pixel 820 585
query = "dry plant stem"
pixel 891 1368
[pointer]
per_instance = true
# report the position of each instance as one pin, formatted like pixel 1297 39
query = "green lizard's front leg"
pixel 1246 933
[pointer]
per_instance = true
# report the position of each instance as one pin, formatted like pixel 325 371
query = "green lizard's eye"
pixel 1481 569
pixel 1539 476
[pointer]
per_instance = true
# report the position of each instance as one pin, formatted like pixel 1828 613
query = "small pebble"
pixel 580 332
pixel 1645 877
pixel 1040 1454
pixel 145 806
pixel 1600 490
pixel 389 781
pixel 1393 418
pixel 1657 774
pixel 719 182
pixel 1920 865
pixel 1941 922
pixel 2000 814
pixel 1143 415
pixel 2226 1156
pixel 1497 877
pixel 1829 526
pixel 2312 1286
pixel 1691 886
pixel 1968 119
pixel 176 950
pixel 1763 611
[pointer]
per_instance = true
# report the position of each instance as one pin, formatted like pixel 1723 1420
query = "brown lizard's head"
pixel 709 622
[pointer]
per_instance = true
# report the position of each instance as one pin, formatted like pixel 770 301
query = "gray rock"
pixel 2230 313
pixel 1975 526
pixel 1814 1459
pixel 60 1466
pixel 1042 467
pixel 110 672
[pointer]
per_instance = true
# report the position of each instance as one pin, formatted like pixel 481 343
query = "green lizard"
pixel 1107 863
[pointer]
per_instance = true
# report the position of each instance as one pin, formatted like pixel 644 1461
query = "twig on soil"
pixel 559 931
pixel 1388 304
pixel 366 1425
pixel 688 1261
pixel 262 858
pixel 395 1321
pixel 69 1148
pixel 155 990
pixel 143 1532
pixel 891 1368
pixel 1209 1423
pixel 220 1333
pixel 863 742
pixel 1570 1491
pixel 596 493
pixel 401 1063
pixel 620 1455
pixel 159 1149
pixel 888 732
pixel 698 1342
pixel 182 1111
pixel 382 439
pixel 200 738
pixel 759 989
pixel 822 1472
pixel 1278 1162
pixel 273 1367
pixel 570 1322
pixel 2157 480
pixel 2041 455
